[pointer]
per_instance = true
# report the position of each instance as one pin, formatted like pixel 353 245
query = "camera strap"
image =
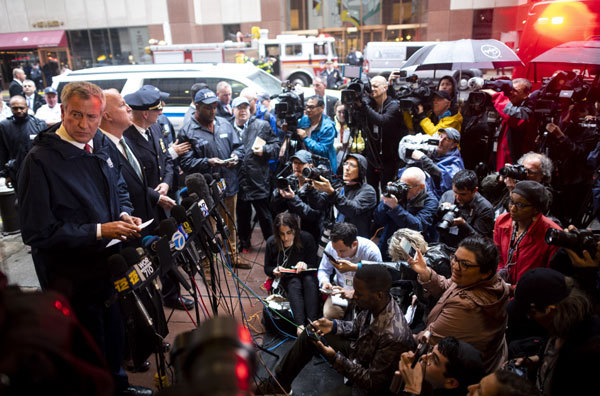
pixel 514 245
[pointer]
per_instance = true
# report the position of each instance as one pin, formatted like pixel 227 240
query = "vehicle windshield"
pixel 269 83
pixel 333 51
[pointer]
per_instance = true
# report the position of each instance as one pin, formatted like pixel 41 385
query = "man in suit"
pixel 224 94
pixel 16 85
pixel 329 101
pixel 73 201
pixel 151 150
pixel 34 99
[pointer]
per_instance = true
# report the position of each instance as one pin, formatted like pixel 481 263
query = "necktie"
pixel 148 135
pixel 131 158
pixel 229 109
pixel 29 102
pixel 87 148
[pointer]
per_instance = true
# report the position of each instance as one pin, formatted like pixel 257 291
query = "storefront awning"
pixel 47 38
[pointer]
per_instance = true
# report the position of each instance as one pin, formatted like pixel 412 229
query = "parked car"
pixel 176 79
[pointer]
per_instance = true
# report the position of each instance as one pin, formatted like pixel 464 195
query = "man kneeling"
pixel 364 350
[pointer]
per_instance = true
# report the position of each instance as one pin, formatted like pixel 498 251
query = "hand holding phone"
pixel 313 333
pixel 330 257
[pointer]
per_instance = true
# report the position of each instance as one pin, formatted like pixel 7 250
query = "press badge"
pixel 223 136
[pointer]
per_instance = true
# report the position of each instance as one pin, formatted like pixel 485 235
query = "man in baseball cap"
pixel 440 116
pixel 49 112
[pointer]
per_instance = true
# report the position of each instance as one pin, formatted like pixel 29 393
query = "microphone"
pixel 197 184
pixel 125 282
pixel 139 262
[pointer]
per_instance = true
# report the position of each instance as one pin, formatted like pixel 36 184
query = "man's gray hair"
pixel 525 82
pixel 414 237
pixel 546 164
pixel 16 70
pixel 222 84
pixel 83 89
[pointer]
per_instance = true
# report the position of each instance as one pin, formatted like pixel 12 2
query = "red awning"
pixel 41 39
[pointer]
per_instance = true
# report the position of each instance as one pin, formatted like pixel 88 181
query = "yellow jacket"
pixel 453 121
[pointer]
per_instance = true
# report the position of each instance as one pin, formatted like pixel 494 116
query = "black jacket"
pixel 153 155
pixel 274 256
pixel 391 129
pixel 222 112
pixel 16 137
pixel 253 170
pixel 478 215
pixel 15 89
pixel 64 193
pixel 38 101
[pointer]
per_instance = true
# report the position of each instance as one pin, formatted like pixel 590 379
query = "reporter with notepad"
pixel 291 258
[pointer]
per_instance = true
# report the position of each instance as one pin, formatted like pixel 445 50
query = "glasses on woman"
pixel 518 205
pixel 464 265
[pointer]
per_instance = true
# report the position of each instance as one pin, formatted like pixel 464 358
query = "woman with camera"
pixel 472 303
pixel 291 258
pixel 519 234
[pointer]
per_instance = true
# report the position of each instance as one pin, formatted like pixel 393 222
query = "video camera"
pixel 359 86
pixel 415 92
pixel 399 190
pixel 577 240
pixel 516 172
pixel 422 142
pixel 450 213
pixel 290 106
pixel 283 182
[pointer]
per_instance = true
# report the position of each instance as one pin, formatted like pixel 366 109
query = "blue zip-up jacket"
pixel 321 139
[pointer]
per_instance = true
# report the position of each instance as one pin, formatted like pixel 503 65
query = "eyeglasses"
pixel 464 265
pixel 311 107
pixel 350 164
pixel 518 205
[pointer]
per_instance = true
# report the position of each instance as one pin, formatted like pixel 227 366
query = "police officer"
pixel 151 149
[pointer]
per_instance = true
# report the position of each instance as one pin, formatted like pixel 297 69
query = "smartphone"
pixel 408 248
pixel 229 160
pixel 330 257
pixel 312 333
pixel 330 291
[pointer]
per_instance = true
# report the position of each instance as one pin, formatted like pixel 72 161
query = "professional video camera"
pixel 415 92
pixel 290 106
pixel 577 240
pixel 450 214
pixel 516 172
pixel 359 86
pixel 283 182
pixel 421 142
pixel 399 190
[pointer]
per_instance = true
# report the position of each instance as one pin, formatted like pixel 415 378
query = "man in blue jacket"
pixel 73 202
pixel 318 131
pixel 416 213
pixel 445 162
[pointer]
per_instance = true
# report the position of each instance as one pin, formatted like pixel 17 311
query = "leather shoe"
pixel 180 303
pixel 142 368
pixel 136 390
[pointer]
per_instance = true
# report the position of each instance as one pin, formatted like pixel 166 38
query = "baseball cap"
pixel 263 96
pixel 451 132
pixel 443 94
pixel 303 156
pixel 50 90
pixel 205 96
pixel 240 100
pixel 540 287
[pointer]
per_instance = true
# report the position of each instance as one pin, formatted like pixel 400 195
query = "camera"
pixel 358 87
pixel 517 172
pixel 399 190
pixel 512 367
pixel 315 173
pixel 290 106
pixel 578 240
pixel 421 142
pixel 283 183
pixel 410 96
pixel 501 84
pixel 450 213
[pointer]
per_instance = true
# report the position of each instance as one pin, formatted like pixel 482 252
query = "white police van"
pixel 175 79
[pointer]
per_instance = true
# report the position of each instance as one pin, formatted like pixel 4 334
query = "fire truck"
pixel 294 57
pixel 551 23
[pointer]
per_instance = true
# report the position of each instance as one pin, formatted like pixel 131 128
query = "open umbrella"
pixel 585 53
pixel 461 54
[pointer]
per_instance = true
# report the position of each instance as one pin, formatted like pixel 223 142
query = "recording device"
pixel 415 92
pixel 516 172
pixel 576 240
pixel 229 160
pixel 290 106
pixel 399 190
pixel 194 354
pixel 408 248
pixel 315 173
pixel 512 367
pixel 290 181
pixel 421 142
pixel 450 213
pixel 330 257
pixel 196 183
pixel 351 71
pixel 501 84
pixel 359 87
pixel 313 333
pixel 330 291
pixel 422 349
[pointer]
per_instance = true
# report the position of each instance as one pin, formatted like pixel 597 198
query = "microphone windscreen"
pixel 216 176
pixel 197 184
pixel 148 240
pixel 130 255
pixel 167 227
pixel 187 202
pixel 209 179
pixel 178 213
pixel 117 265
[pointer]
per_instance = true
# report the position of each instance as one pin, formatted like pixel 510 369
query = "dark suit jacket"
pixel 143 198
pixel 38 101
pixel 15 89
pixel 330 106
pixel 222 112
pixel 153 155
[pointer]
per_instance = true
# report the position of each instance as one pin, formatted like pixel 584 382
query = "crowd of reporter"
pixel 403 243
